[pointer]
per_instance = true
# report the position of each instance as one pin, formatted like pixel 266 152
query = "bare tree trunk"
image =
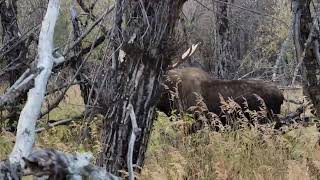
pixel 84 87
pixel 15 56
pixel 27 121
pixel 48 163
pixel 31 111
pixel 226 66
pixel 307 50
pixel 146 41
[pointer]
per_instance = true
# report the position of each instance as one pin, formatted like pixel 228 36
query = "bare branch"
pixel 24 37
pixel 11 95
pixel 252 11
pixel 22 85
pixel 86 9
pixel 61 96
pixel 59 165
pixel 290 117
pixel 135 132
pixel 234 23
pixel 64 86
pixel 109 10
pixel 90 13
pixel 59 123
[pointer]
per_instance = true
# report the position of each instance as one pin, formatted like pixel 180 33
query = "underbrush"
pixel 247 153
pixel 66 138
pixel 240 152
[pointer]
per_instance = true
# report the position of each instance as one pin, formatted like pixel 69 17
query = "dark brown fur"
pixel 196 80
pixel 241 90
pixel 188 80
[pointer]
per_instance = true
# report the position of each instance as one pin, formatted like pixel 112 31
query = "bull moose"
pixel 190 81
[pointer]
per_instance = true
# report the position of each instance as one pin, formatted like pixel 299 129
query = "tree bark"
pixel 142 43
pixel 310 54
pixel 30 113
pixel 16 56
pixel 226 65
pixel 84 87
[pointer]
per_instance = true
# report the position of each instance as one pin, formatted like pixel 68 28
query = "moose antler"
pixel 185 56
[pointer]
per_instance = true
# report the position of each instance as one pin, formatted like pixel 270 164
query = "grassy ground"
pixel 241 154
pixel 250 153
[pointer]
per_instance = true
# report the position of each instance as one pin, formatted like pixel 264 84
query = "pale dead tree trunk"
pixel 46 164
pixel 25 136
pixel 225 66
pixel 30 113
pixel 144 32
pixel 307 50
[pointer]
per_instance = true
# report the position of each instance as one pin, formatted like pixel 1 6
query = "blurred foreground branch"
pixel 58 165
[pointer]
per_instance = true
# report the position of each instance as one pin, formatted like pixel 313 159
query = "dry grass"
pixel 70 106
pixel 242 154
pixel 64 138
pixel 247 153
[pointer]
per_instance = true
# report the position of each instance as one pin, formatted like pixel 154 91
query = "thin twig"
pixel 144 13
pixel 64 86
pixel 109 10
pixel 59 123
pixel 20 40
pixel 61 96
pixel 24 83
pixel 11 95
pixel 252 11
pixel 232 22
